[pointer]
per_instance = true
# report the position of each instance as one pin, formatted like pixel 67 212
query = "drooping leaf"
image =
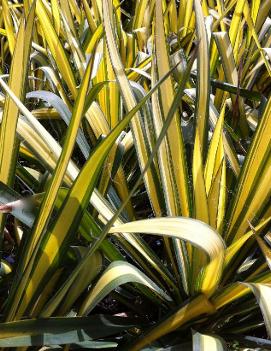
pixel 117 273
pixel 185 229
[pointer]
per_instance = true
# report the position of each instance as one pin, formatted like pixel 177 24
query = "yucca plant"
pixel 135 168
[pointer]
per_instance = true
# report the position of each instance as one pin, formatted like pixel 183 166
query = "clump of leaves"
pixel 135 162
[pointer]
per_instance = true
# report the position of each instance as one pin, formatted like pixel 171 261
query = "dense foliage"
pixel 135 167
